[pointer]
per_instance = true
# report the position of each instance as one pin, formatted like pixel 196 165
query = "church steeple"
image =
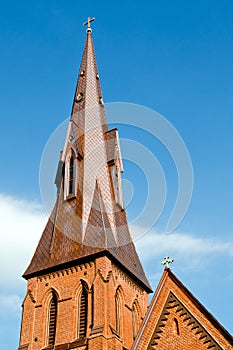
pixel 86 288
pixel 85 280
pixel 88 218
pixel 89 129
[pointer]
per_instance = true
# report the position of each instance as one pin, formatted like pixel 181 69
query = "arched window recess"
pixel 118 311
pixel 136 318
pixel 52 320
pixel 83 311
pixel 176 330
pixel 71 175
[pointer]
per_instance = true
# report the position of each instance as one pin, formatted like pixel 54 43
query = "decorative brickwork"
pixel 172 310
pixel 177 320
pixel 103 282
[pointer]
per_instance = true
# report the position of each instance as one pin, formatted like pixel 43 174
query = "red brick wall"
pixel 103 278
pixel 158 330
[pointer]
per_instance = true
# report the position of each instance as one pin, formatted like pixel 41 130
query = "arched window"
pixel 70 174
pixel 117 310
pixel 83 311
pixel 135 318
pixel 52 320
pixel 176 330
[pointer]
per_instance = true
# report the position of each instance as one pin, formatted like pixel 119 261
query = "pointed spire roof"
pixel 91 221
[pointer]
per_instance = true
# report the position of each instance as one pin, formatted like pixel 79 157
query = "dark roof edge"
pixel 108 131
pixel 201 307
pixel 88 258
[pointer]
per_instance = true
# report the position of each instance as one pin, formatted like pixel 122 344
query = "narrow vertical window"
pixel 71 174
pixel 52 320
pixel 117 310
pixel 83 308
pixel 135 318
pixel 71 168
pixel 176 330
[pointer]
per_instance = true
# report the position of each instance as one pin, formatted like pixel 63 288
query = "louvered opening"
pixel 83 314
pixel 52 320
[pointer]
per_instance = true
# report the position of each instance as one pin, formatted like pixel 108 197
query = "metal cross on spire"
pixel 88 23
pixel 167 261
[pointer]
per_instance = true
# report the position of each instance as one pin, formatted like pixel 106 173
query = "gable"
pixel 177 320
pixel 177 328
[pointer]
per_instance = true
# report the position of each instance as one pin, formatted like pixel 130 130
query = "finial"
pixel 88 23
pixel 167 261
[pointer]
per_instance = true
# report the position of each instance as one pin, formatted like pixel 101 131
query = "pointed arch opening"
pixel 83 311
pixel 71 170
pixel 176 330
pixel 52 320
pixel 136 318
pixel 118 311
pixel 71 173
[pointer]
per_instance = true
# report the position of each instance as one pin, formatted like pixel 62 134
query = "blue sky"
pixel 173 57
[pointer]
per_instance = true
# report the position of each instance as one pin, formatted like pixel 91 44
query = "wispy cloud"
pixel 10 304
pixel 21 224
pixel 187 248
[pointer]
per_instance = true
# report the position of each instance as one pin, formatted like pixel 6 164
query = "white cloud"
pixel 188 249
pixel 10 304
pixel 21 224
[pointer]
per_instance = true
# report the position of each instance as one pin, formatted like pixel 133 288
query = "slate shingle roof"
pixel 90 223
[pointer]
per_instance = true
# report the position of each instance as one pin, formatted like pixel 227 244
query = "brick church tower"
pixel 86 286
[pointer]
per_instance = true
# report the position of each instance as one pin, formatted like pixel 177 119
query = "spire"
pixel 88 218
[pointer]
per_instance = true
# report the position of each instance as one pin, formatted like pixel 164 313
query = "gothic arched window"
pixel 70 174
pixel 52 320
pixel 135 318
pixel 117 310
pixel 83 311
pixel 176 330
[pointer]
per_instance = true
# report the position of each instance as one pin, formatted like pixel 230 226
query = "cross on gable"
pixel 167 261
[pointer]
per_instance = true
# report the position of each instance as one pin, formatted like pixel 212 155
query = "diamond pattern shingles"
pixel 91 222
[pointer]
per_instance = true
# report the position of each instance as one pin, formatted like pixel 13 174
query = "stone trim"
pixel 66 299
pixel 97 329
pixel 73 345
pixel 23 347
pixel 102 276
pixel 114 331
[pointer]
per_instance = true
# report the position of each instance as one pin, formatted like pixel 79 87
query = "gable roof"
pixel 172 300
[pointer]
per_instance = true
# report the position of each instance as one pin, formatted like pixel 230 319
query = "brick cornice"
pixel 66 271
